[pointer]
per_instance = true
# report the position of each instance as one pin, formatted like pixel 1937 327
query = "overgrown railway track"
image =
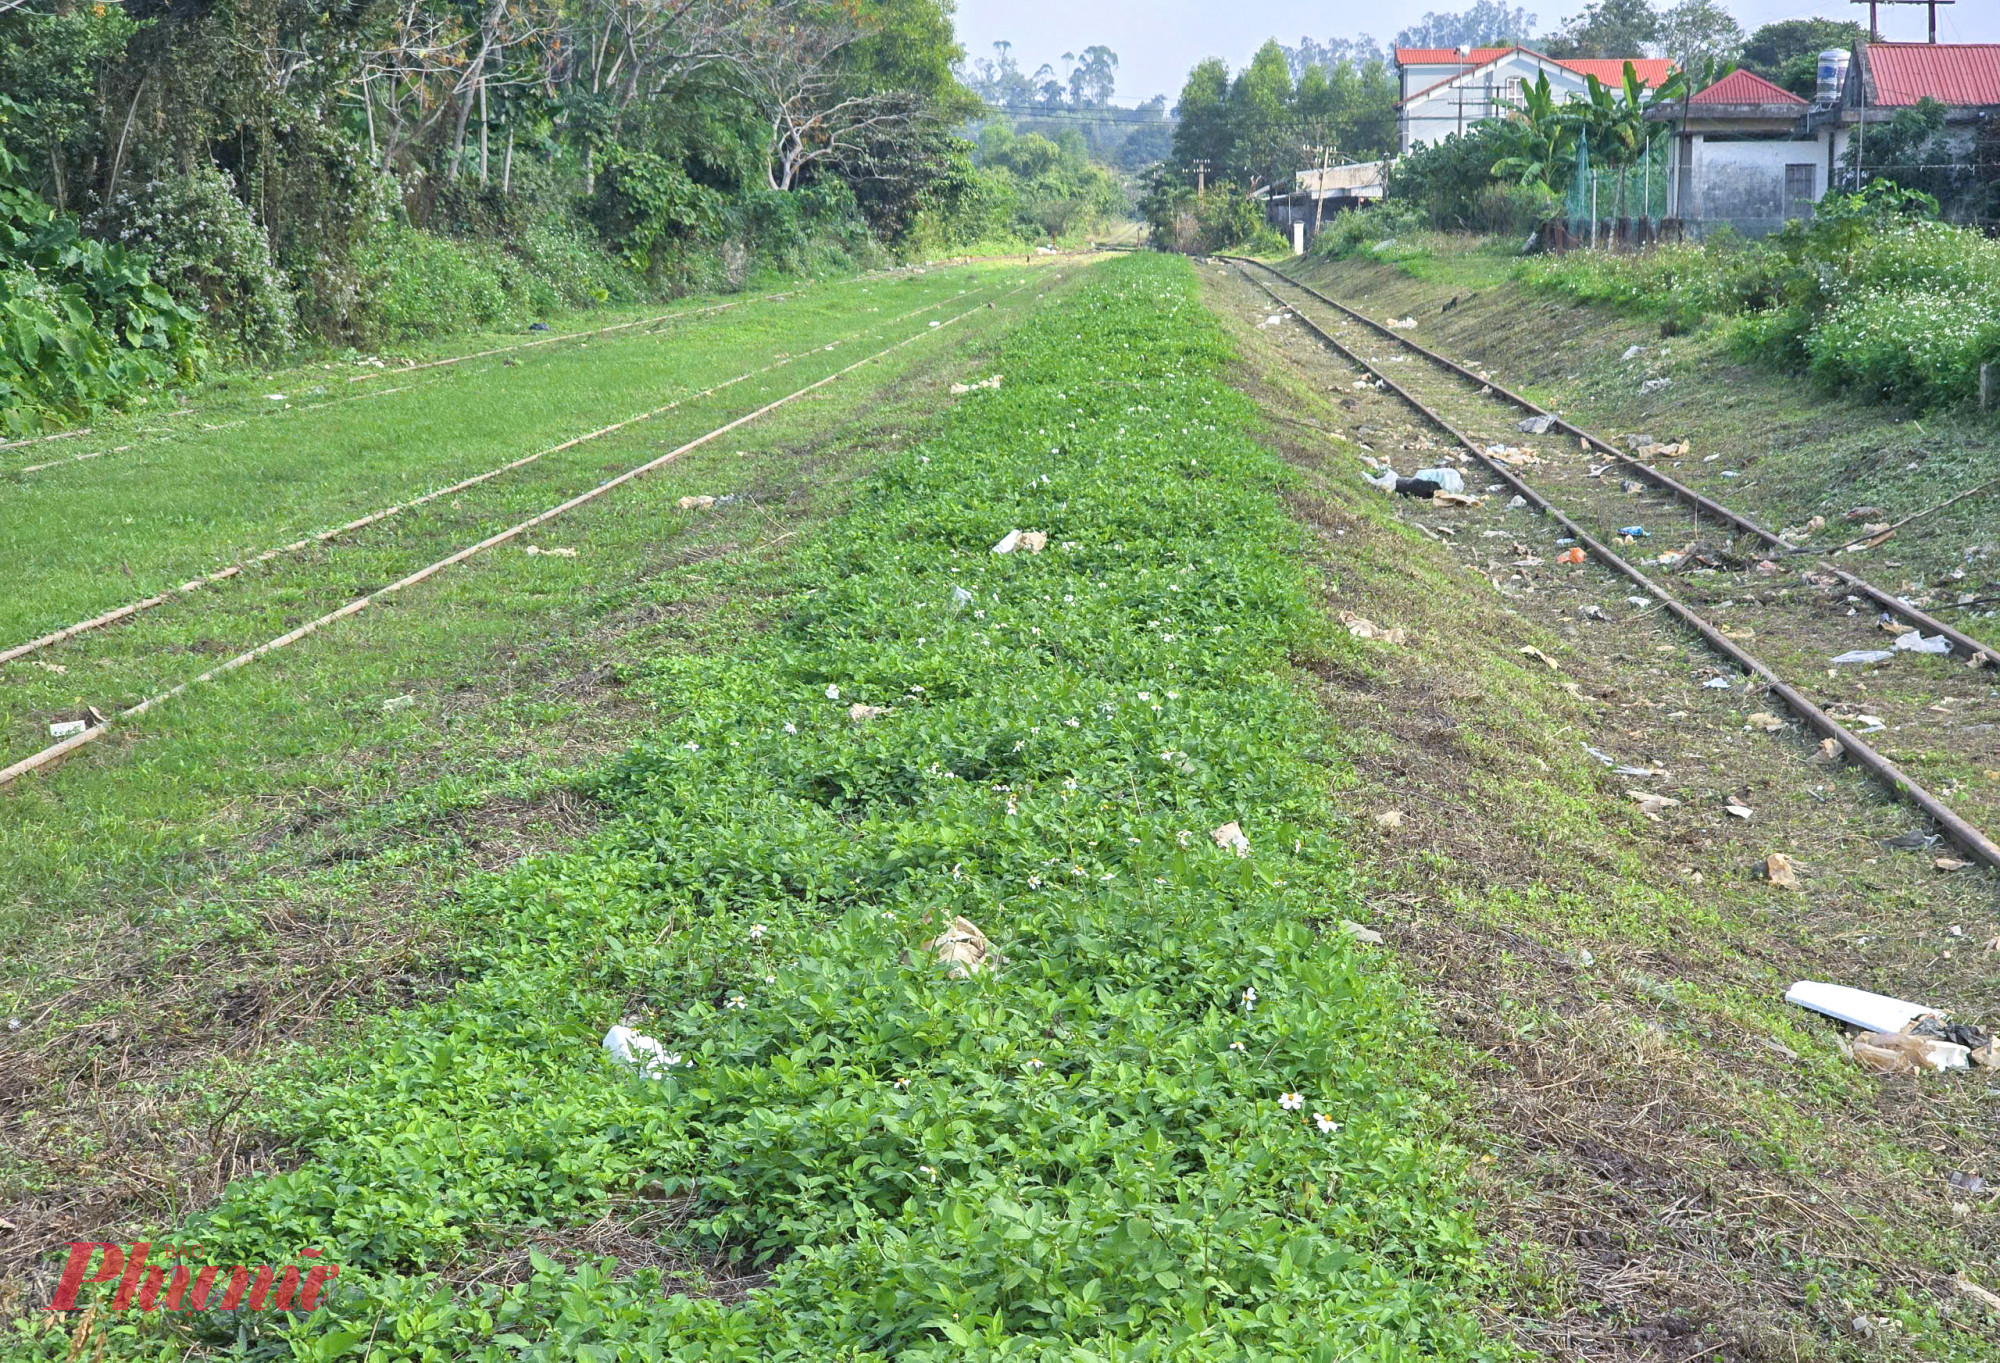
pixel 55 753
pixel 1759 579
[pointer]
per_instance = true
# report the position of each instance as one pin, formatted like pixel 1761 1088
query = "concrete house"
pixel 1883 79
pixel 1446 91
pixel 1752 156
pixel 1744 156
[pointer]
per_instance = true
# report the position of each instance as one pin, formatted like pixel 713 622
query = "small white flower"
pixel 1071 722
pixel 1327 1125
pixel 1076 871
pixel 757 931
pixel 916 690
pixel 1034 882
pixel 671 1059
pixel 925 1168
pixel 736 1001
pixel 832 691
pixel 1012 808
pixel 790 727
pixel 1108 877
pixel 889 914
pixel 1069 599
pixel 1145 695
pixel 902 1083
pixel 692 746
pixel 770 979
pixel 1238 1046
pixel 979 615
pixel 1173 695
pixel 1034 729
pixel 1069 783
pixel 1250 994
pixel 1020 744
pixel 1034 1064
pixel 1291 1102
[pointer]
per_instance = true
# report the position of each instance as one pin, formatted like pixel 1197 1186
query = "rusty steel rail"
pixel 1975 843
pixel 1982 654
pixel 56 752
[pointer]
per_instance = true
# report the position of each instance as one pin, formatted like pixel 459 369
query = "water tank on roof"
pixel 1832 74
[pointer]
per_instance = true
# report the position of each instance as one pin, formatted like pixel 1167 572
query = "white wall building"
pixel 1446 90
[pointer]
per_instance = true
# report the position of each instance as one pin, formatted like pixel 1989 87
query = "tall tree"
pixel 1608 28
pixel 1697 29
pixel 1262 121
pixel 1203 132
pixel 1788 52
pixel 1486 23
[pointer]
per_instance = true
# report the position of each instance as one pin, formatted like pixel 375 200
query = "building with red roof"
pixel 1752 155
pixel 1447 90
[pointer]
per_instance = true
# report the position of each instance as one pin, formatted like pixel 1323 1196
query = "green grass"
pixel 1080 1154
pixel 141 807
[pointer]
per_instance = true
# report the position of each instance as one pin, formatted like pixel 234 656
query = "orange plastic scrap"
pixel 1571 555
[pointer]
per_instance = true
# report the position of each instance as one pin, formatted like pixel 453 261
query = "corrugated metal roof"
pixel 1652 71
pixel 1952 73
pixel 1744 87
pixel 1446 56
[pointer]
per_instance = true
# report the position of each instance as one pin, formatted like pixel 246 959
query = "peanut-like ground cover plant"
pixel 1179 1116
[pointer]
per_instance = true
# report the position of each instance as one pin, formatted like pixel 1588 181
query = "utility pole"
pixel 1464 61
pixel 1319 189
pixel 1875 28
pixel 1200 169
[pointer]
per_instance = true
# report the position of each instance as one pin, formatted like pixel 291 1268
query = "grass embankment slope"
pixel 1786 447
pixel 1082 1153
pixel 1676 1163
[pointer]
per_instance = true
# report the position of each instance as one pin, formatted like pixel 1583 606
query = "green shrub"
pixel 82 324
pixel 210 254
pixel 1867 295
pixel 1366 231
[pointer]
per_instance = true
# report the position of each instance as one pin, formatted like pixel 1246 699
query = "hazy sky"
pixel 1158 40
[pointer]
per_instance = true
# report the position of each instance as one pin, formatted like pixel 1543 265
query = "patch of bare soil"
pixel 1670 1163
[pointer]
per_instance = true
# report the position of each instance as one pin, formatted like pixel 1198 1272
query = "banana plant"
pixel 1542 134
pixel 1616 120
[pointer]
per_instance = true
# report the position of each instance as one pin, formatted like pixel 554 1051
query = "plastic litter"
pixel 1447 479
pixel 1899 1053
pixel 1389 820
pixel 1633 351
pixel 1637 532
pixel 1867 655
pixel 964 948
pixel 696 503
pixel 1518 502
pixel 1717 683
pixel 1231 835
pixel 1007 542
pixel 1365 936
pixel 1653 386
pixel 641 1052
pixel 960 598
pixel 1535 425
pixel 64 728
pixel 1778 869
pixel 1858 1007
pixel 858 712
pixel 1571 555
pixel 1914 642
pixel 1363 628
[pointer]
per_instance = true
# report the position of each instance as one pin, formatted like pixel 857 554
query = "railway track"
pixel 55 753
pixel 130 609
pixel 1735 581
